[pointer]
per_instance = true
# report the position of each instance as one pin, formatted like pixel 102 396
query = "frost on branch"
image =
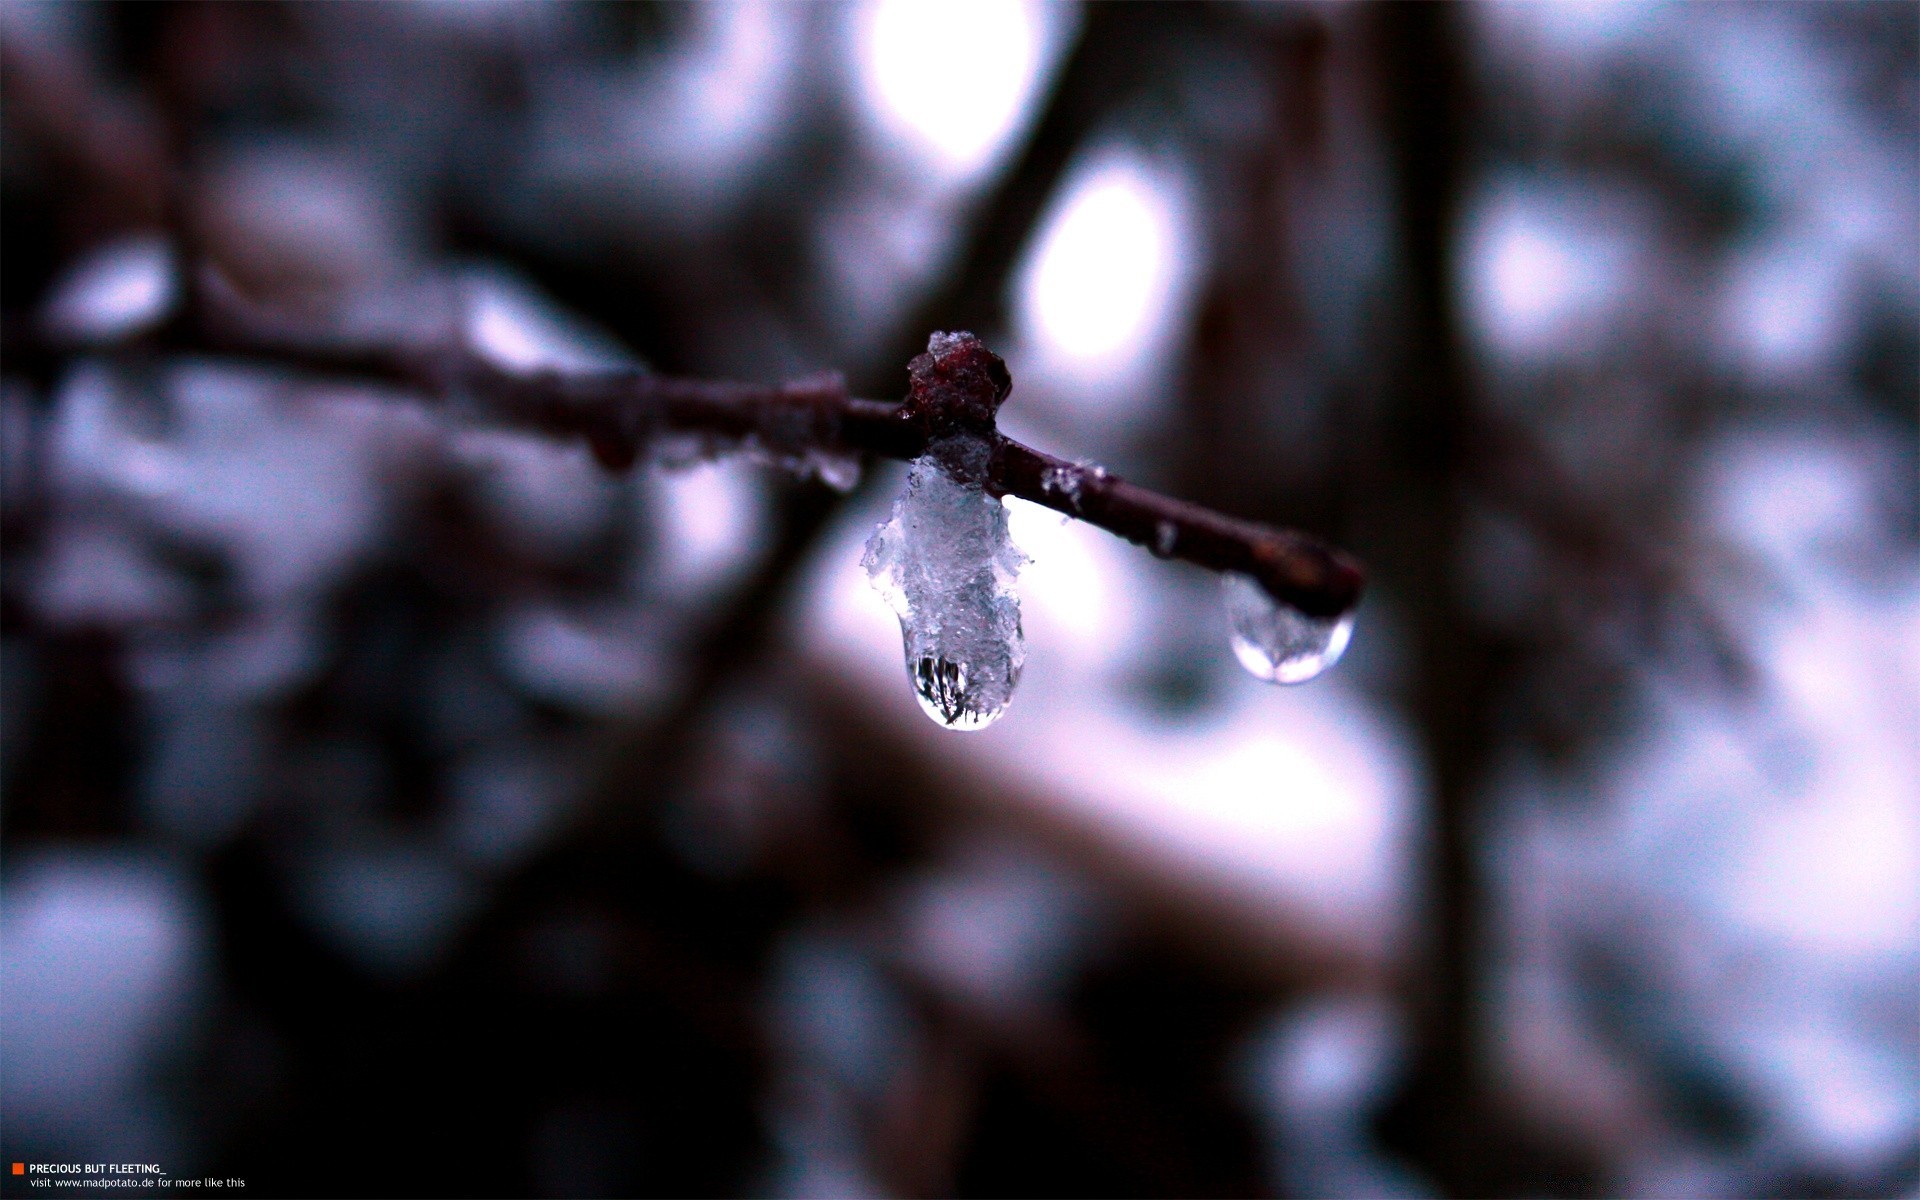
pixel 946 566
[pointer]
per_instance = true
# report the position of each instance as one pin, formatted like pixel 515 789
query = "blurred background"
pixel 397 805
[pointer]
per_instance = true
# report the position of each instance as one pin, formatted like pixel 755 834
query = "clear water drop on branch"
pixel 946 567
pixel 1277 642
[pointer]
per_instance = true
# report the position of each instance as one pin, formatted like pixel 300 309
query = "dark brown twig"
pixel 620 412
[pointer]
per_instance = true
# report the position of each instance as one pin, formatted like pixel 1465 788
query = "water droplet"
pixel 941 686
pixel 946 566
pixel 1277 642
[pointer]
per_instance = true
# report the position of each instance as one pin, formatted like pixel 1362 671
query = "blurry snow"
pixel 1837 191
pixel 1000 926
pixel 670 140
pixel 505 800
pixel 1294 810
pixel 286 485
pixel 101 958
pixel 1550 267
pixel 258 656
pixel 819 1151
pixel 1748 863
pixel 1313 1077
pixel 509 320
pixel 21 445
pixel 285 490
pixel 1774 98
pixel 300 221
pixel 1842 197
pixel 833 1008
pixel 943 93
pixel 465 705
pixel 276 489
pixel 845 1035
pixel 1571 34
pixel 879 243
pixel 114 292
pixel 710 521
pixel 391 907
pixel 1784 307
pixel 205 762
pixel 716 100
pixel 755 775
pixel 93 574
pixel 549 497
pixel 1736 883
pixel 45 21
pixel 603 661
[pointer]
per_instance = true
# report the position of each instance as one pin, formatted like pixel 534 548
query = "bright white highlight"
pixel 1067 587
pixel 1546 269
pixel 952 79
pixel 510 321
pixel 1099 292
pixel 711 520
pixel 1535 278
pixel 115 291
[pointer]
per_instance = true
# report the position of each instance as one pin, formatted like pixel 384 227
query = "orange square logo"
pixel 19 1168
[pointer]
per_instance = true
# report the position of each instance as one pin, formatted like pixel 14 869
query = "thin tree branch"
pixel 620 412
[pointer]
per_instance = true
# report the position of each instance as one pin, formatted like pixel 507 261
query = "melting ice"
pixel 946 566
pixel 1277 642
